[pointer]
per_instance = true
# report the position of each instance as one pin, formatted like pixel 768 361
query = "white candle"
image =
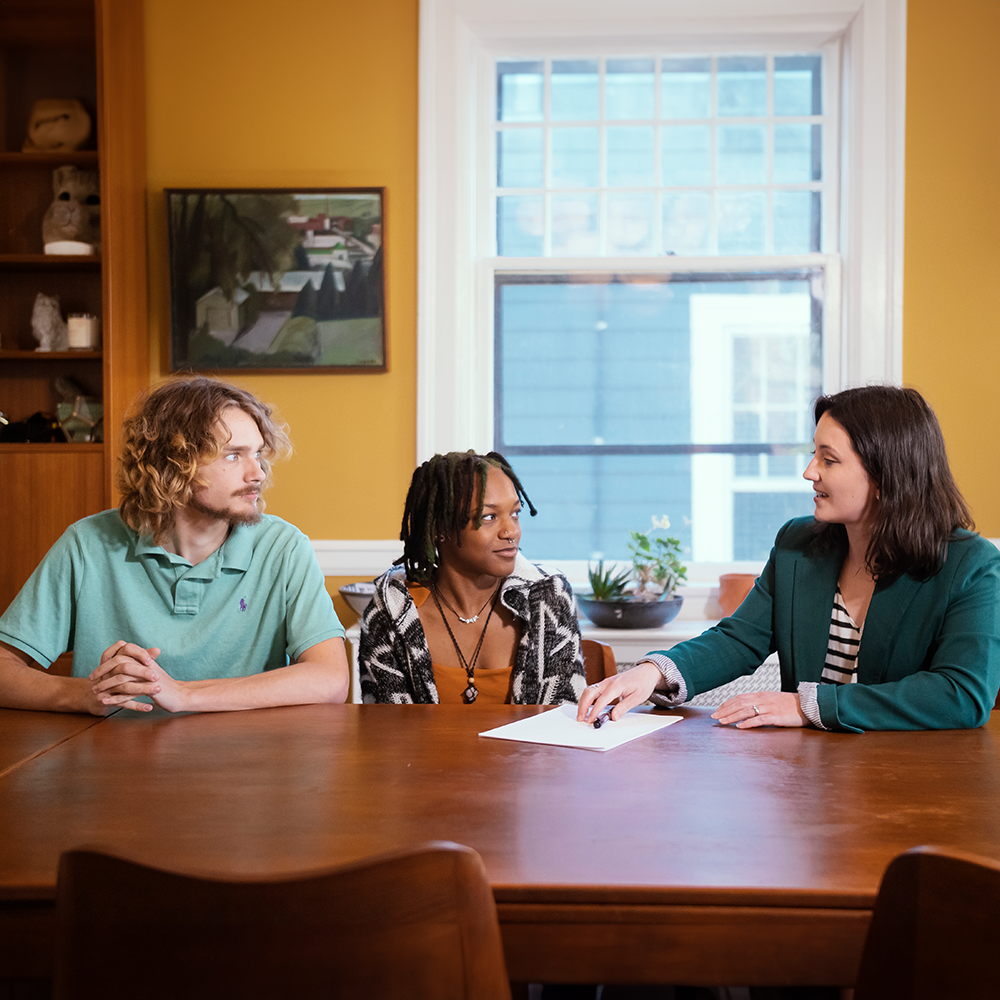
pixel 84 331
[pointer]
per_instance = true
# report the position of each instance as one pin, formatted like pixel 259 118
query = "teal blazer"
pixel 929 655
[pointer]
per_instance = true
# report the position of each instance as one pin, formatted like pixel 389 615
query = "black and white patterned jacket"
pixel 548 667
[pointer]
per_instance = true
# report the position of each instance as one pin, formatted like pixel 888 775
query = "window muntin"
pixel 659 155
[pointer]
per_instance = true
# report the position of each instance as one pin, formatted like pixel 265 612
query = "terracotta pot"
pixel 733 588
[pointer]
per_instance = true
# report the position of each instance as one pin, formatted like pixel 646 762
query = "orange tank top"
pixel 493 685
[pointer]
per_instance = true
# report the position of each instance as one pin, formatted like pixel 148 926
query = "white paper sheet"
pixel 558 727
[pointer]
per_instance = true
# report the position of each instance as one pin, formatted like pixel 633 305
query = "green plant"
pixel 656 568
pixel 656 561
pixel 606 585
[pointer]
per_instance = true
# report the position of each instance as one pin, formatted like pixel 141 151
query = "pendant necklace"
pixel 470 694
pixel 447 604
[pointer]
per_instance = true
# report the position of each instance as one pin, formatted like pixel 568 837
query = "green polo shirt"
pixel 256 603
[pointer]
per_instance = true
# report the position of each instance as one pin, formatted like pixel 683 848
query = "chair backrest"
pixel 415 924
pixel 934 929
pixel 598 660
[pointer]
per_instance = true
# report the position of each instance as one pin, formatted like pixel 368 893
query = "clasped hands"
pixel 127 671
pixel 633 687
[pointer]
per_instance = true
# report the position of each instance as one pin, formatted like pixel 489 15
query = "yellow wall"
pixel 317 93
pixel 951 299
pixel 323 92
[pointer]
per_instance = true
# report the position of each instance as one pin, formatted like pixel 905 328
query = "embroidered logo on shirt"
pixel 243 604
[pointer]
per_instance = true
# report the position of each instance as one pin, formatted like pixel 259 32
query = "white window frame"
pixel 459 39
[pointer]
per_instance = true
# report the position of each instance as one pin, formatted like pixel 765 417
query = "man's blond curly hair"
pixel 171 431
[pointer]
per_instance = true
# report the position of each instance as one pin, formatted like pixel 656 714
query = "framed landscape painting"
pixel 276 280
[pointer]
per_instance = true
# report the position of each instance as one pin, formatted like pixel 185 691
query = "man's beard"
pixel 231 517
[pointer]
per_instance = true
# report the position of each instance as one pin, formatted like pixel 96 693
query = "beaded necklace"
pixel 470 694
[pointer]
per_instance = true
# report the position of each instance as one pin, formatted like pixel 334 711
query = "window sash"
pixel 548 192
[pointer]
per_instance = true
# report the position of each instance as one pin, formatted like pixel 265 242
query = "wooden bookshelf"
pixel 91 50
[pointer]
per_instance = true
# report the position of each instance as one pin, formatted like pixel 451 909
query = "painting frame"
pixel 277 280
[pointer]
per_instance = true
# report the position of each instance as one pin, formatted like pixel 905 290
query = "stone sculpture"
pixel 56 123
pixel 47 324
pixel 74 217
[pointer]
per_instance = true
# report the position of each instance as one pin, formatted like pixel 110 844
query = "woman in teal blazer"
pixel 889 555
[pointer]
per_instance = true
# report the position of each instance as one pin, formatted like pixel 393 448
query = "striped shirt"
pixel 840 666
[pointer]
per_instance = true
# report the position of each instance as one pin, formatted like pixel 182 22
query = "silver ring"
pixel 596 687
pixel 756 710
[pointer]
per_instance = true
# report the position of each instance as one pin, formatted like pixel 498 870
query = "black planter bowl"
pixel 630 614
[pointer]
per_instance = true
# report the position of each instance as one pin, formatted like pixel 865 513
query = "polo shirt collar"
pixel 237 552
pixel 237 549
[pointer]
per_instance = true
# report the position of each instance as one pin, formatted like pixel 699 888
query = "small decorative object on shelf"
pixel 56 123
pixel 39 428
pixel 82 419
pixel 84 332
pixel 72 223
pixel 47 324
pixel 656 569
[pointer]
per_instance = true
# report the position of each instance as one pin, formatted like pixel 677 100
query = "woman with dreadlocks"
pixel 462 617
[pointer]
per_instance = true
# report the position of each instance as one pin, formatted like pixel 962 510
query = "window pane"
pixel 686 155
pixel 797 153
pixel 574 157
pixel 600 365
pixel 574 225
pixel 520 225
pixel 746 370
pixel 796 221
pixel 798 86
pixel 783 361
pixel 686 88
pixel 628 89
pixel 520 157
pixel 743 85
pixel 687 224
pixel 757 518
pixel 587 504
pixel 741 222
pixel 622 347
pixel 575 94
pixel 742 154
pixel 520 91
pixel 630 224
pixel 746 427
pixel 630 156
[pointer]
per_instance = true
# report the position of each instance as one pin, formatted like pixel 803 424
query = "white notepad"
pixel 558 727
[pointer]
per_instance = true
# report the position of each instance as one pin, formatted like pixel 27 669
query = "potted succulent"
pixel 655 572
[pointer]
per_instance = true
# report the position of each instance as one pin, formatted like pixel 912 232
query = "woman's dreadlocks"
pixel 438 504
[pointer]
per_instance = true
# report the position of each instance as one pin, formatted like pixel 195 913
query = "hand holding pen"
pixel 604 715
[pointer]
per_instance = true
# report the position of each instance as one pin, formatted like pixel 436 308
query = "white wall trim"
pixel 873 154
pixel 362 557
pixel 369 558
pixel 454 349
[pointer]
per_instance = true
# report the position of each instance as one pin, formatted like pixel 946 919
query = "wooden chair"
pixel 934 929
pixel 598 660
pixel 420 923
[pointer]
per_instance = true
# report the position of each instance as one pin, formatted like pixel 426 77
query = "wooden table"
pixel 25 735
pixel 697 854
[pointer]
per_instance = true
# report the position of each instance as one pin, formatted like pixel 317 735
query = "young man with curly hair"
pixel 187 595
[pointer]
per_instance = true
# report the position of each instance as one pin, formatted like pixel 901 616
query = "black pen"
pixel 604 715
